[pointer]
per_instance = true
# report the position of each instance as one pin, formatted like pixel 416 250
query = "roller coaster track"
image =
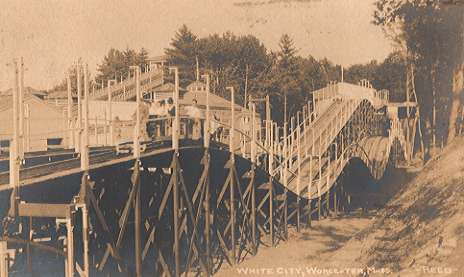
pixel 174 211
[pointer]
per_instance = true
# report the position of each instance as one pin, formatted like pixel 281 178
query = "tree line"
pixel 431 37
pixel 245 63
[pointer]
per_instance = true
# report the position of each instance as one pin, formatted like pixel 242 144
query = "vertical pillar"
pixel 285 177
pixel 110 112
pixel 85 238
pixel 175 122
pixel 138 115
pixel 21 112
pixel 335 204
pixel 175 191
pixel 271 190
pixel 14 151
pixel 3 259
pixel 70 246
pixel 207 215
pixel 310 183
pixel 138 227
pixel 207 135
pixel 28 246
pixel 253 161
pixel 85 135
pixel 253 131
pixel 79 108
pixel 69 110
pixel 232 180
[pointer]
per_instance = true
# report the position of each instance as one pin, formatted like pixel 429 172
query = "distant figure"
pixel 156 112
pixel 216 128
pixel 170 111
pixel 144 115
pixel 194 112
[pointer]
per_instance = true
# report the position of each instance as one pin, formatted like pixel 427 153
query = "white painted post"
pixel 253 130
pixel 3 259
pixel 21 112
pixel 85 136
pixel 138 115
pixel 14 151
pixel 175 122
pixel 110 112
pixel 69 247
pixel 207 125
pixel 69 110
pixel 28 127
pixel 271 148
pixel 232 119
pixel 85 239
pixel 79 108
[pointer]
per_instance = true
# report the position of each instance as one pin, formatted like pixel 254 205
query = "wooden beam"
pixel 45 210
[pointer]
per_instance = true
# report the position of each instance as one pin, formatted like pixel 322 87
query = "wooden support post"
pixel 14 159
pixel 78 145
pixel 232 211
pixel 138 226
pixel 109 123
pixel 253 209
pixel 85 223
pixel 335 204
pixel 206 203
pixel 85 135
pixel 253 135
pixel 69 110
pixel 4 261
pixel 28 246
pixel 176 212
pixel 21 112
pixel 70 246
pixel 310 183
pixel 176 121
pixel 285 178
pixel 207 127
pixel 252 179
pixel 327 202
pixel 138 113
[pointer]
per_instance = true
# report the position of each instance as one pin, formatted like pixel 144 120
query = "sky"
pixel 52 34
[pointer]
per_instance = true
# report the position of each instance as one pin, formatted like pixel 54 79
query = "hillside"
pixel 418 232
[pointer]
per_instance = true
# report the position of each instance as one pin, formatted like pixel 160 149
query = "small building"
pixel 158 61
pixel 44 124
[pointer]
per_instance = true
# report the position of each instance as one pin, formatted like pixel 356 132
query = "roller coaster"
pixel 177 205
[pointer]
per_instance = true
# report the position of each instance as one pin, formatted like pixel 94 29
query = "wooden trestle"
pixel 186 210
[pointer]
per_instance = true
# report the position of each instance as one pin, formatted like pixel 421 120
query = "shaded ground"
pixel 418 232
pixel 302 251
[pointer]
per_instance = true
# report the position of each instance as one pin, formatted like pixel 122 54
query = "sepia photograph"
pixel 231 138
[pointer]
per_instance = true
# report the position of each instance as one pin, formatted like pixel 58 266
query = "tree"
pixel 182 54
pixel 116 63
pixel 431 35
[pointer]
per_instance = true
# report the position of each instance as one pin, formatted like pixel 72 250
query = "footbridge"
pixel 186 198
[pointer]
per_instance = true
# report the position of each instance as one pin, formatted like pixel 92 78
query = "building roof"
pixel 196 86
pixel 161 58
pixel 167 87
pixel 6 102
pixel 216 102
pixel 27 90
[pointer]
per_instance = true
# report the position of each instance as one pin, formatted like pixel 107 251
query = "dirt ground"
pixel 418 232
